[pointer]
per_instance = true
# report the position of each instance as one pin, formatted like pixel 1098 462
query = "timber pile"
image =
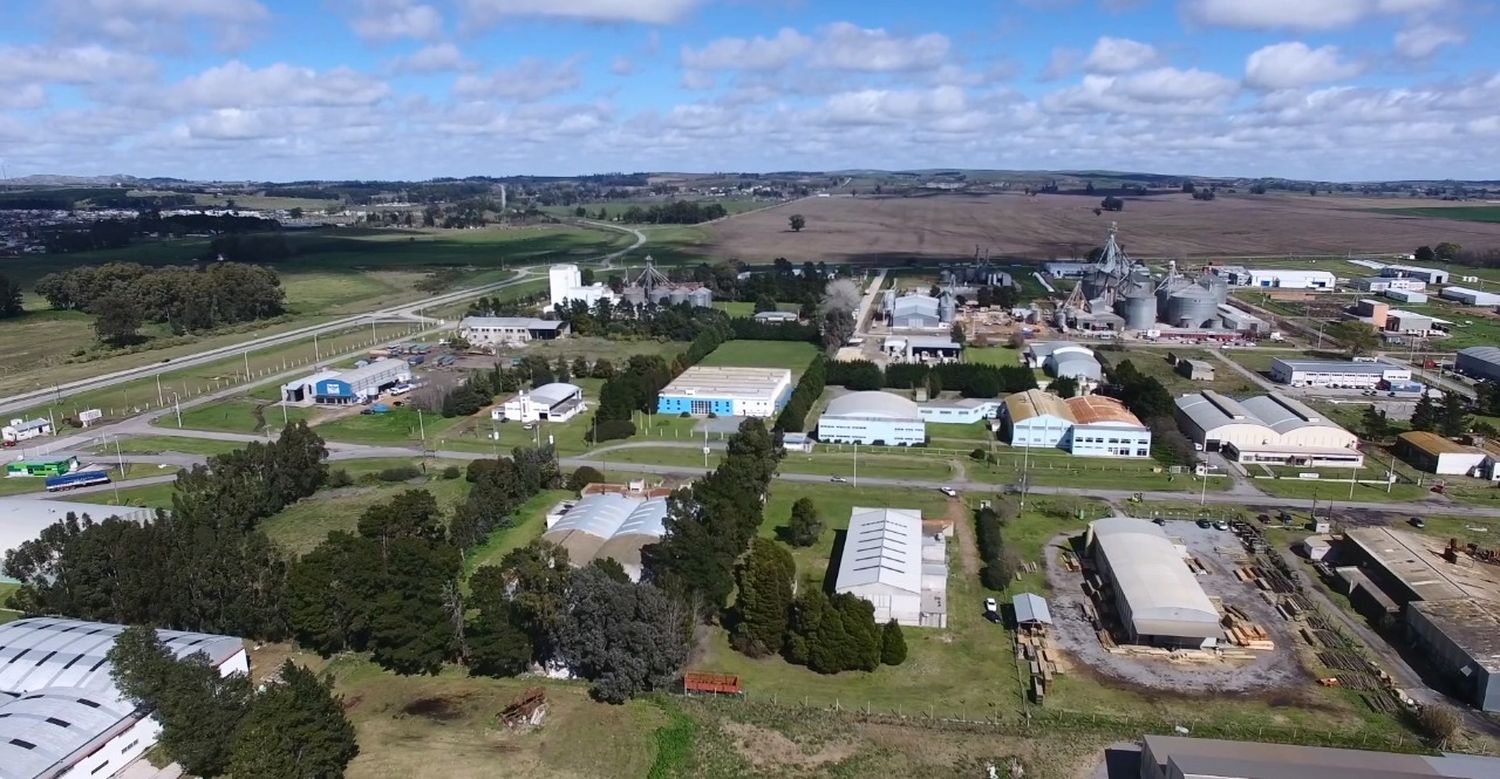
pixel 1196 566
pixel 1242 631
pixel 1069 560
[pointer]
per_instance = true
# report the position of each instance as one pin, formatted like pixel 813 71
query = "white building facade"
pixel 556 402
pixel 565 283
pixel 1337 373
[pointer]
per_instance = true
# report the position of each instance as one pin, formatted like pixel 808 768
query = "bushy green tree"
pixel 295 729
pixel 10 298
pixel 806 523
pixel 1424 416
pixel 625 638
pixel 764 580
pixel 892 644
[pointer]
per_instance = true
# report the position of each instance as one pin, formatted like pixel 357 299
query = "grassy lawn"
pixel 530 523
pixel 445 725
pixel 6 613
pixel 148 495
pixel 1153 362
pixel 828 464
pixel 156 444
pixel 593 348
pixel 993 355
pixel 1338 490
pixel 940 433
pixel 400 425
pixel 793 355
pixel 303 525
pixel 242 415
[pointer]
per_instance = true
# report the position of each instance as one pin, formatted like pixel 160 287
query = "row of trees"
pixel 972 380
pixel 1449 416
pixel 632 389
pixel 793 417
pixel 1000 561
pixel 827 633
pixel 677 212
pixel 10 298
pixel 188 298
pixel 1149 400
pixel 213 725
pixel 203 566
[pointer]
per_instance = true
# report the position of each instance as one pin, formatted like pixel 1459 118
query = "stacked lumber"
pixel 1243 631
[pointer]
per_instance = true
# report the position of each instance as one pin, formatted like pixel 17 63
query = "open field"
pixel 530 522
pixel 304 524
pixel 1153 362
pixel 993 355
pixel 6 614
pixel 1461 213
pixel 894 229
pixel 156 444
pixel 793 355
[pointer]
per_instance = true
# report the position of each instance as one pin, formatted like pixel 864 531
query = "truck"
pixel 68 481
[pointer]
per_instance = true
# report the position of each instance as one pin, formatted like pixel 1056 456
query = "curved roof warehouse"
pixel 872 417
pixel 1159 599
pixel 610 525
pixel 60 712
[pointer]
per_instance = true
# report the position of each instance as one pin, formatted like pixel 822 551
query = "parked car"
pixel 1221 525
pixel 1160 521
pixel 990 606
pixel 1205 524
pixel 949 491
pixel 1417 522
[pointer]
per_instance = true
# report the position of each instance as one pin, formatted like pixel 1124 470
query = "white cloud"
pixel 23 97
pixel 1270 14
pixel 484 12
pixel 1425 40
pixel 389 20
pixel 530 80
pixel 622 66
pixel 890 106
pixel 1062 63
pixel 1120 55
pixel 1162 91
pixel 748 53
pixel 850 47
pixel 436 58
pixel 1294 64
pixel 91 64
pixel 1168 84
pixel 157 24
pixel 237 85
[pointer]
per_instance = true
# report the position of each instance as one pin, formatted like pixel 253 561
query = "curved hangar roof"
pixel 881 405
pixel 56 694
pixel 1165 598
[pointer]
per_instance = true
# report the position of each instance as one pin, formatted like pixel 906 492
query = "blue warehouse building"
pixel 727 392
pixel 335 387
pixel 872 418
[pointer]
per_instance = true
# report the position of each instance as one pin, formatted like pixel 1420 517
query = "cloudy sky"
pixel 301 89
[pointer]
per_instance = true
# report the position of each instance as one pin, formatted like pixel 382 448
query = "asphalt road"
pixel 404 311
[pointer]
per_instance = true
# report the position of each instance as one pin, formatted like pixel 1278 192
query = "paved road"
pixel 409 311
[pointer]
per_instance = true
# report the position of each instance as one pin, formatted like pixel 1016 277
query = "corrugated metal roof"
pixel 727 382
pixel 59 673
pixel 877 404
pixel 1096 409
pixel 1284 414
pixel 1216 757
pixel 1021 406
pixel 1490 354
pixel 1165 598
pixel 509 322
pixel 882 546
pixel 554 393
pixel 1031 608
pixel 1434 444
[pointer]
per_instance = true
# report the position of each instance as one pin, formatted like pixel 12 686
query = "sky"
pixel 281 90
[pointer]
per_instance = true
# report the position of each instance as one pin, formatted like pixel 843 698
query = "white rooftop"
pixel 882 546
pixel 725 382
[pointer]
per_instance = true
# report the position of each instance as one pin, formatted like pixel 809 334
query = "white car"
pixel 990 606
pixel 949 491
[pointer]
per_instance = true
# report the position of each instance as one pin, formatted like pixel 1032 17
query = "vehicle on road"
pixel 990 606
pixel 949 491
pixel 68 481
pixel 1161 521
pixel 1417 522
pixel 839 480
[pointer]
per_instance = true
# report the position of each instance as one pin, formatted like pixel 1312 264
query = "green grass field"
pixel 993 355
pixel 242 415
pixel 303 525
pixel 793 355
pixel 530 523
pixel 156 444
pixel 6 613
pixel 148 495
pixel 1460 213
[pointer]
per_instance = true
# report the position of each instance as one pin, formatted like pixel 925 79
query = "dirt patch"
pixel 963 528
pixel 765 748
pixel 895 229
pixel 436 708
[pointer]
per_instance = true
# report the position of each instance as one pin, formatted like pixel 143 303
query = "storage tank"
pixel 1139 311
pixel 678 296
pixel 702 297
pixel 947 308
pixel 1217 285
pixel 1192 306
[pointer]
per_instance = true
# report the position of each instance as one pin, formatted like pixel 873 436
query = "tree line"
pixel 10 298
pixel 1149 400
pixel 971 380
pixel 1448 417
pixel 677 212
pixel 187 298
pixel 1000 561
pixel 793 416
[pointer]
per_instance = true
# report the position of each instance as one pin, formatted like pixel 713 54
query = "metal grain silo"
pixel 1217 285
pixel 702 297
pixel 1192 306
pixel 678 296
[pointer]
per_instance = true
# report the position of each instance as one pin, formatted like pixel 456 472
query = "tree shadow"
pixel 831 575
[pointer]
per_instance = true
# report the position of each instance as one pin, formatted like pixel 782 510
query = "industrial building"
pixel 1195 370
pixel 23 430
pixel 1103 427
pixel 1180 757
pixel 1271 429
pixel 1337 373
pixel 1065 358
pixel 776 317
pixel 555 402
pixel 1158 600
pixel 565 284
pixel 22 518
pixel 1067 269
pixel 609 524
pixel 1410 322
pixel 1036 419
pixel 922 348
pixel 35 468
pixel 1429 275
pixel 962 411
pixel 890 562
pixel 1435 454
pixel 1373 312
pixel 1478 362
pixel 1449 600
pixel 61 714
pixel 342 387
pixel 1470 297
pixel 727 392
pixel 918 311
pixel 1406 296
pixel 872 418
pixel 651 286
pixel 1276 278
pixel 1388 284
pixel 507 330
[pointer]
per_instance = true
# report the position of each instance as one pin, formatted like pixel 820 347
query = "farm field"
pixel 892 230
pixel 1460 213
pixel 793 355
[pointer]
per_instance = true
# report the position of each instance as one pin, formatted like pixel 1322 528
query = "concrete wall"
pixel 892 432
pixel 1480 688
pixel 1101 441
pixel 1042 431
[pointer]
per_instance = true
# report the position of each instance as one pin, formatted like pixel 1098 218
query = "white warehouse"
pixel 1337 373
pixel 888 561
pixel 1280 278
pixel 1271 429
pixel 726 392
pixel 61 715
pixel 1470 297
pixel 555 402
pixel 870 418
pixel 1158 599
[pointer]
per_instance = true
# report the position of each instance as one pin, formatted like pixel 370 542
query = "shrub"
pixel 399 473
pixel 978 454
pixel 339 478
pixel 452 472
pixel 610 430
pixel 892 644
pixel 583 477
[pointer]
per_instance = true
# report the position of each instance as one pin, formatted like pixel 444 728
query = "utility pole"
pixel 317 355
pixel 1390 474
pixel 1025 464
pixel 856 466
pixel 177 405
pixel 422 430
pixel 120 458
pixel 1203 496
pixel 247 365
pixel 160 399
